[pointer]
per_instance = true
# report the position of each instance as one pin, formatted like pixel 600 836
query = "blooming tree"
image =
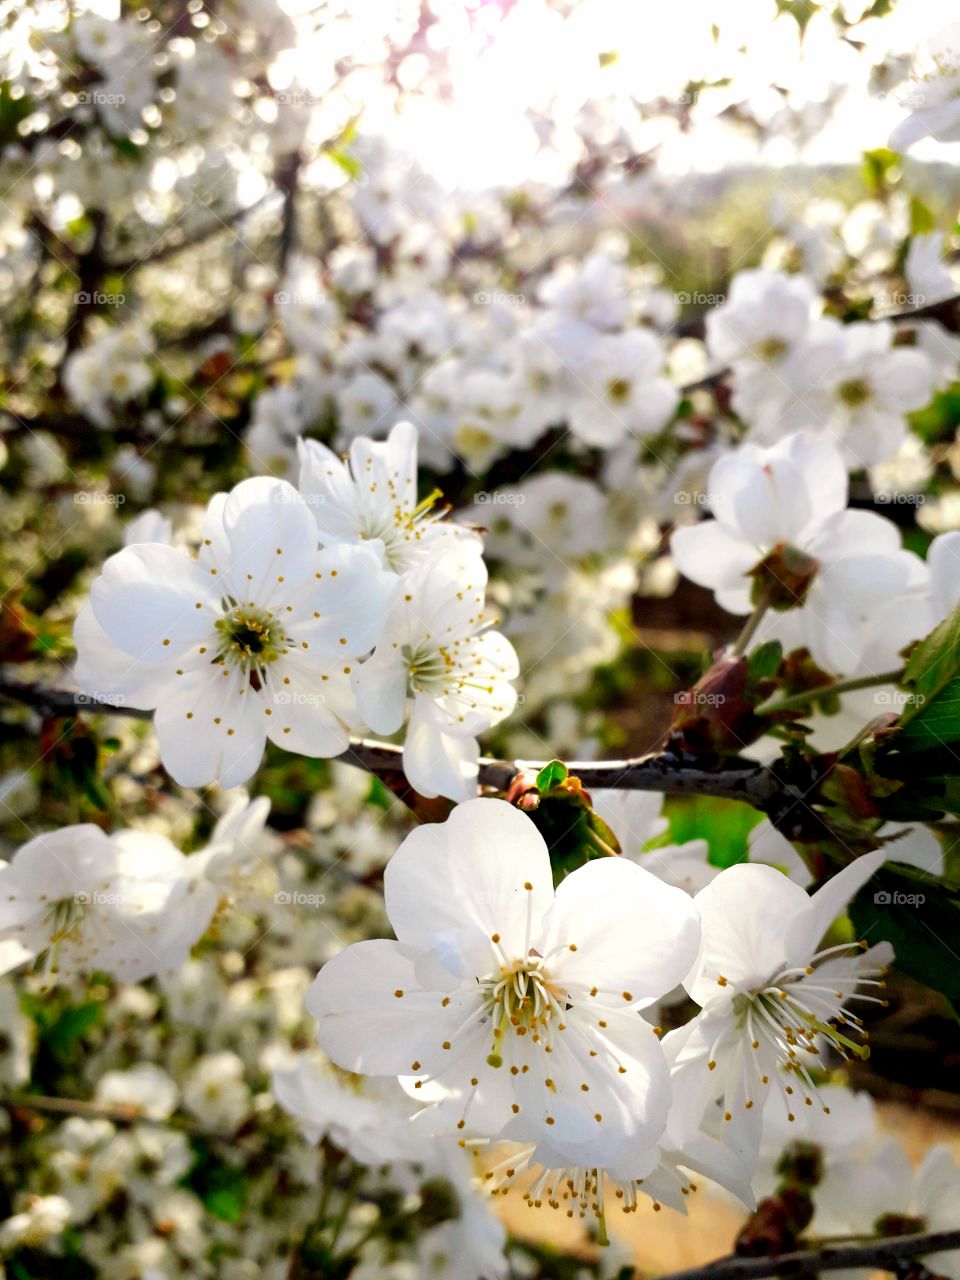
pixel 480 651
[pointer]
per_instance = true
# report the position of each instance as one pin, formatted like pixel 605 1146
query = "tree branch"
pixel 885 1255
pixel 665 771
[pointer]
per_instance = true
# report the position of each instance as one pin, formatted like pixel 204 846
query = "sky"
pixel 535 58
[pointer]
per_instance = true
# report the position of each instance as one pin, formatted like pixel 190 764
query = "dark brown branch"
pixel 666 772
pixel 884 1255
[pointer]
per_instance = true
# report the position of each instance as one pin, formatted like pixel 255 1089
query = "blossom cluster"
pixel 305 612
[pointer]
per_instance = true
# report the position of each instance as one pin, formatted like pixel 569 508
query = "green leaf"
pixel 932 674
pixel 921 918
pixel 922 220
pixel 879 169
pixel 764 662
pixel 551 775
pixel 73 1024
pixel 935 722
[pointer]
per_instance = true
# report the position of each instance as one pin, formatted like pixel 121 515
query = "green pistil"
pixel 249 637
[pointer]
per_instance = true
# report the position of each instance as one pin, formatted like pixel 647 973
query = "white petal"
pixel 635 936
pixel 381 689
pixel 271 536
pixel 194 747
pixel 452 886
pixel 438 763
pixel 366 1027
pixel 148 594
pixel 743 914
pixel 805 930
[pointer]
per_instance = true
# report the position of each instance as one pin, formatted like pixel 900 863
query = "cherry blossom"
pixel 438 666
pixel 255 639
pixel 517 1009
pixel 770 997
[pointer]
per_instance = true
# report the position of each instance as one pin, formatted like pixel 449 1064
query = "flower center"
pixel 521 999
pixel 854 393
pixel 785 1019
pixel 771 348
pixel 249 637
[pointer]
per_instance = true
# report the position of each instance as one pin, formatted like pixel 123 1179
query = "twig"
pixel 801 700
pixel 89 1110
pixel 884 1255
pixel 663 771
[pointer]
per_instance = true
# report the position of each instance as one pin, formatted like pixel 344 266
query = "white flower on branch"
pixel 256 639
pixel 371 498
pixel 515 1008
pixel 787 506
pixel 770 997
pixel 438 661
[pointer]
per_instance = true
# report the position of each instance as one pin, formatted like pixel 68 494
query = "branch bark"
pixel 885 1255
pixel 666 772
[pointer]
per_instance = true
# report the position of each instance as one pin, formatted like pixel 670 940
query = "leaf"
pixel 551 775
pixel 72 1025
pixel 764 661
pixel 933 723
pixel 922 220
pixel 879 169
pixel 920 917
pixel 932 674
pixel 934 662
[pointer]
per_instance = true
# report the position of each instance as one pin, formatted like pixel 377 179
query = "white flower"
pixel 549 521
pixel 883 1184
pixel 277 423
pixel 371 498
pixel 84 900
pixel 769 998
pixel 765 317
pixel 625 390
pixel 793 497
pixel 934 96
pixel 844 1129
pixel 216 1093
pixel 254 639
pixel 854 383
pixel 436 660
pixel 369 1118
pixel 144 1090
pixel 595 291
pixel 366 402
pixel 41 1219
pixel 927 274
pixel 517 1007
